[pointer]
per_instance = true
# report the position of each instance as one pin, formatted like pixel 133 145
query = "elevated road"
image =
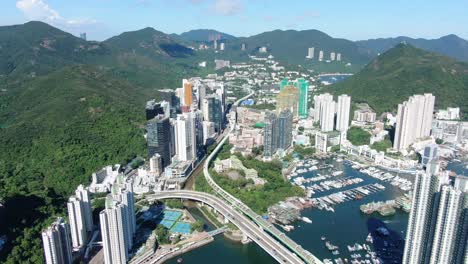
pixel 272 246
pixel 305 255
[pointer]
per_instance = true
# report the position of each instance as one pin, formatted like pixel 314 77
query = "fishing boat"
pixel 369 238
pixel 306 219
pixel 179 260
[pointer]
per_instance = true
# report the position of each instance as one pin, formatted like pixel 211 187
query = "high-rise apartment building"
pixel 332 56
pixel 283 83
pixel 185 138
pixel 327 112
pixel 123 193
pixel 188 93
pixel 79 234
pixel 288 99
pixel 56 243
pixel 303 106
pixel 277 132
pixel 113 225
pixel 285 124
pixel 320 55
pixel 82 193
pixel 438 222
pixel 270 135
pixel 158 138
pixel 343 108
pixel 156 167
pixel 212 111
pixel 310 53
pixel 414 120
pixel 338 57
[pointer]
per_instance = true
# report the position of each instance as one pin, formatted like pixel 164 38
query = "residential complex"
pixel 414 120
pixel 56 243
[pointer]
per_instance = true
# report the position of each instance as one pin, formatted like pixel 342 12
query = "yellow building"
pixel 288 98
pixel 188 100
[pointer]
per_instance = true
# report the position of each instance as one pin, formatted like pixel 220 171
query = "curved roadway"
pixel 254 232
pixel 237 204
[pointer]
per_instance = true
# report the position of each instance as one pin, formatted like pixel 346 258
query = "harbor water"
pixel 346 226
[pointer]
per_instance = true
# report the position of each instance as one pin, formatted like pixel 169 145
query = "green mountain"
pixel 291 46
pixel 36 48
pixel 403 71
pixel 450 45
pixel 67 108
pixel 204 35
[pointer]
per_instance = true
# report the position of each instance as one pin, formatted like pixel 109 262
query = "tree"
pixel 198 226
pixel 439 141
pixel 358 136
pixel 162 234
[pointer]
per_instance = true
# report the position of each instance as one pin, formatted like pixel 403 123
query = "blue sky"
pixel 355 20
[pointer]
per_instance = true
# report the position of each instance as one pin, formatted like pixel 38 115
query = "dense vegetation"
pixel 257 197
pixel 403 71
pixel 358 136
pixel 382 145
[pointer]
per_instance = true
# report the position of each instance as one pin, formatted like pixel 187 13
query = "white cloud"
pixel 41 11
pixel 227 7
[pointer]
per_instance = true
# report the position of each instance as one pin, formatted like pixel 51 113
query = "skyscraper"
pixel 414 120
pixel 82 194
pixel 283 83
pixel 113 226
pixel 327 112
pixel 123 193
pixel 188 93
pixel 438 222
pixel 343 109
pixel 212 111
pixel 153 109
pixel 185 140
pixel 77 220
pixel 285 123
pixel 303 106
pixel 421 216
pixel 310 53
pixel 159 138
pixel 56 243
pixel 321 55
pixel 288 98
pixel 338 57
pixel 332 56
pixel 270 135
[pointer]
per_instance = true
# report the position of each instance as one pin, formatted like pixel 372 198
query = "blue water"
pixel 344 227
pixel 333 78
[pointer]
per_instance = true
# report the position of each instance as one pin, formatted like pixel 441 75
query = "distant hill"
pixel 450 45
pixel 291 46
pixel 36 48
pixel 205 35
pixel 403 71
pixel 148 42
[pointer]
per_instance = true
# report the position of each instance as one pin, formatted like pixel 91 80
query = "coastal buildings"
pixel 320 55
pixel 364 115
pixel 310 53
pixel 438 222
pixel 56 243
pixel 123 193
pixel 326 112
pixel 414 120
pixel 277 132
pixel 338 57
pixel 332 56
pixel 343 109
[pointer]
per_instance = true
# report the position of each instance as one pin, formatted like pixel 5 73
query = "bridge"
pixel 217 231
pixel 305 255
pixel 272 246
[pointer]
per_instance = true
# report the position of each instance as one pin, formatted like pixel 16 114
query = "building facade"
pixel 303 106
pixel 159 138
pixel 414 120
pixel 56 243
pixel 342 112
pixel 113 226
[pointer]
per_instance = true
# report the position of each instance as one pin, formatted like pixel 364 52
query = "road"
pixel 249 228
pixel 237 204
